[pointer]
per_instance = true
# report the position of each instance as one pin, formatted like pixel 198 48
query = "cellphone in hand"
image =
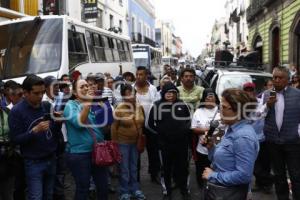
pixel 272 93
pixel 47 117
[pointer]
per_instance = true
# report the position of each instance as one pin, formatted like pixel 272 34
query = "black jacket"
pixel 171 121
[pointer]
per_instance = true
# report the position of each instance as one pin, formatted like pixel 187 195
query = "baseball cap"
pixel 49 80
pixel 99 76
pixel 249 85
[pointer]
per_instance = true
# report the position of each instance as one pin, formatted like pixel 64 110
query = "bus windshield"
pixel 141 59
pixel 30 47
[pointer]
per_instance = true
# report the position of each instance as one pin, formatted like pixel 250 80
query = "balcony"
pixel 149 41
pixel 256 7
pixel 138 38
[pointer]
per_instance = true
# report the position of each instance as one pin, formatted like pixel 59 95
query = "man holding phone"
pixel 32 129
pixel 282 133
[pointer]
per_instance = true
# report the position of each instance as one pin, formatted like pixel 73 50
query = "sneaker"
pixel 124 197
pixel 139 195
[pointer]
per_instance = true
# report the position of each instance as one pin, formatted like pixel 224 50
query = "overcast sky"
pixel 193 19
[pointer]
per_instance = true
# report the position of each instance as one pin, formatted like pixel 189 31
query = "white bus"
pixel 57 45
pixel 147 56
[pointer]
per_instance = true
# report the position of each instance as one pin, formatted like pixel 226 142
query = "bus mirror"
pixel 152 55
pixel 73 29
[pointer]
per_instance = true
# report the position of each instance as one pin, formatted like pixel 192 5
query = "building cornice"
pixel 147 6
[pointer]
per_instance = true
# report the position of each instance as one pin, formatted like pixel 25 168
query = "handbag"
pixel 218 192
pixel 141 141
pixel 105 153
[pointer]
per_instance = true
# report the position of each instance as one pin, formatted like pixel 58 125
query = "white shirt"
pixel 279 109
pixel 147 100
pixel 201 119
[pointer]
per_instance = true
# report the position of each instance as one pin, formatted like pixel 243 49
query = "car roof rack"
pixel 238 65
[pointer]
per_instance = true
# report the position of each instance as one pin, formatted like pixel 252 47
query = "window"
pixel 30 47
pixel 115 50
pixel 107 49
pixel 121 2
pixel 121 49
pixel 140 28
pixel 98 46
pixel 111 21
pixel 99 20
pixel 128 55
pixel 121 25
pixel 77 48
pixel 133 24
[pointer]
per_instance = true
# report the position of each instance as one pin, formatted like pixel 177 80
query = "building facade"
pixel 164 37
pixel 141 21
pixel 236 27
pixel 219 36
pixel 106 14
pixel 274 31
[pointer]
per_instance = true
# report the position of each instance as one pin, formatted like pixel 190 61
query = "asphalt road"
pixel 154 192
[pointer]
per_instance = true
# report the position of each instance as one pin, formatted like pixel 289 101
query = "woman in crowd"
pixel 295 81
pixel 128 124
pixel 234 157
pixel 207 111
pixel 170 119
pixel 80 143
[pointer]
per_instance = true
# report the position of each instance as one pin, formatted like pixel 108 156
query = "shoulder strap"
pixel 92 133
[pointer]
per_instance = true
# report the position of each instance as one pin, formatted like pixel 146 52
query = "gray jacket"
pixel 288 134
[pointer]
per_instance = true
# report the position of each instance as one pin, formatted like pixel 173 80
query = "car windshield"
pixel 238 80
pixel 30 47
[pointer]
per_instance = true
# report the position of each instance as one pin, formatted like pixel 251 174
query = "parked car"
pixel 232 76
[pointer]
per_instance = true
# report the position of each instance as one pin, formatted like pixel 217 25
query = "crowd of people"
pixel 49 127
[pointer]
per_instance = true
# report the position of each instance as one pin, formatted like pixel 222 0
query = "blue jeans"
pixel 128 169
pixel 40 177
pixel 82 169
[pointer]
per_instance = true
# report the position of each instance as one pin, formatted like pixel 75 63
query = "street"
pixel 153 191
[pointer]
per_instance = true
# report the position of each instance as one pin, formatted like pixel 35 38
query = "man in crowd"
pixel 102 90
pixel 6 101
pixel 32 129
pixel 189 92
pixel 15 95
pixel 282 133
pixel 146 95
pixel 57 101
pixel 262 169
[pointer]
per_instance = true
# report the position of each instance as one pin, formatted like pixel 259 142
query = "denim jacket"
pixel 234 157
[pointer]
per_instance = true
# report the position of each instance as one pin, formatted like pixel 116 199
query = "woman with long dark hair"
pixel 79 119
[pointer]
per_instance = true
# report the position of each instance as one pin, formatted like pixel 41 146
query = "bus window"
pixel 128 55
pixel 98 48
pixel 77 49
pixel 115 50
pixel 121 49
pixel 107 49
